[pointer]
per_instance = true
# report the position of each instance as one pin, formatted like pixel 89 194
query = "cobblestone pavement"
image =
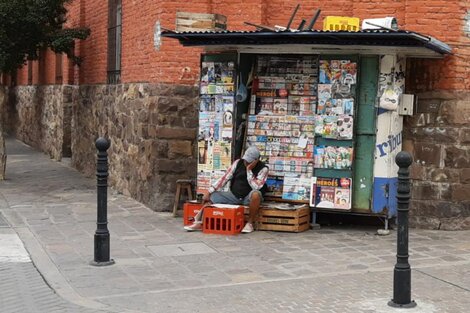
pixel 161 268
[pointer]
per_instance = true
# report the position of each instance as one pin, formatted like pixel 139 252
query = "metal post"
pixel 102 234
pixel 402 271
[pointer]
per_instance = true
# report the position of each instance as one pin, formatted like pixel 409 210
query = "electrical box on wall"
pixel 406 104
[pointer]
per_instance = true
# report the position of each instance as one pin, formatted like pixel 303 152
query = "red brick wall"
pixel 47 68
pixel 445 21
pixel 175 64
pixel 94 14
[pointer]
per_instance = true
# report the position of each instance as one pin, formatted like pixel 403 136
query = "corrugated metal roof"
pixel 284 31
pixel 401 38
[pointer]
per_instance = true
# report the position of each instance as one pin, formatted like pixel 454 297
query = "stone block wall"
pixel 152 128
pixel 40 112
pixel 438 136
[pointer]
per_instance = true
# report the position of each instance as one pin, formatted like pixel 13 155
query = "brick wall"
pixel 142 63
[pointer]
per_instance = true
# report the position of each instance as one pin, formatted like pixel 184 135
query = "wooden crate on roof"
pixel 190 22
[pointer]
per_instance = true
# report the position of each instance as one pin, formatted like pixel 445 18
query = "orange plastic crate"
pixel 190 209
pixel 223 221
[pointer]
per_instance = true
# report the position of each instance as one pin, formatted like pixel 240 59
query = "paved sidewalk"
pixel 161 268
pixel 23 289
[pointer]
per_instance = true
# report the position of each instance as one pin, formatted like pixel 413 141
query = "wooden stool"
pixel 182 184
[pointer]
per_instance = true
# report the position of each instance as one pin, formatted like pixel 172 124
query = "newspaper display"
pixel 216 103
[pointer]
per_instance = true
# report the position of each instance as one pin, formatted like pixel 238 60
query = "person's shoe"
pixel 248 228
pixel 194 227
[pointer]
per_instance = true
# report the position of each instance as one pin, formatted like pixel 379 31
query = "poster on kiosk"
pixel 389 134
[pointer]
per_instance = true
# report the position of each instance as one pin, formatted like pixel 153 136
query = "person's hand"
pixel 206 197
pixel 252 165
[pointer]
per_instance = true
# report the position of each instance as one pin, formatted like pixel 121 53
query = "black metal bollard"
pixel 402 271
pixel 102 247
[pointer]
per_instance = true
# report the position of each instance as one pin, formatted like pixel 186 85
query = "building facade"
pixel 142 94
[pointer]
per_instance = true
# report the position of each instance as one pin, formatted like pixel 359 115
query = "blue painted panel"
pixel 385 195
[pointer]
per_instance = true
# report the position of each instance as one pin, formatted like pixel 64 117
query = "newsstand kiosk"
pixel 325 110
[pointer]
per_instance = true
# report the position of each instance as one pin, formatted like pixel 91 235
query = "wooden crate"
pixel 284 220
pixel 190 22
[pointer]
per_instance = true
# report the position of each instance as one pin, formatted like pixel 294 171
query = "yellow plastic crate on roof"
pixel 341 23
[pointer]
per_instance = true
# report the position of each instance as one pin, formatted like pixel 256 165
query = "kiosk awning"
pixel 377 42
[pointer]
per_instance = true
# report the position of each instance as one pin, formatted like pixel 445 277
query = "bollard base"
pixel 110 262
pixel 410 305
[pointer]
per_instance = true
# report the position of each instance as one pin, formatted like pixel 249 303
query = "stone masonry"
pixel 40 118
pixel 152 128
pixel 438 135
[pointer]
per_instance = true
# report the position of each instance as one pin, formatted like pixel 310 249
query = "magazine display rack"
pixel 216 107
pixel 301 118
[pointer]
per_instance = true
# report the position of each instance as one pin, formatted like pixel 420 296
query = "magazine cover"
pixel 220 89
pixel 336 106
pixel 205 123
pixel 324 98
pixel 205 103
pixel 218 67
pixel 296 188
pixel 280 106
pixel 330 127
pixel 293 105
pixel 331 193
pixel 278 82
pixel 212 89
pixel 216 157
pixel 228 72
pixel 274 186
pixel 264 82
pixel 344 80
pixel 307 105
pixel 348 106
pixel 319 125
pixel 345 127
pixel 342 198
pixel 325 74
pixel 344 157
pixel 203 181
pixel 225 155
pixel 319 156
pixel 207 72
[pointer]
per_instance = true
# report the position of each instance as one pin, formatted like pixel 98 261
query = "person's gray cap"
pixel 251 154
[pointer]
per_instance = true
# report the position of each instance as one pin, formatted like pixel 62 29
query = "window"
pixel 114 41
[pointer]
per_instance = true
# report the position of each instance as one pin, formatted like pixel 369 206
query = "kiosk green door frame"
pixel 365 134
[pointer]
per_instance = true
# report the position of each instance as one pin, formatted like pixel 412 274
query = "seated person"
pixel 247 178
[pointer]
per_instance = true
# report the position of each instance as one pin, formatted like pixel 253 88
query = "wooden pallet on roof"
pixel 186 21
